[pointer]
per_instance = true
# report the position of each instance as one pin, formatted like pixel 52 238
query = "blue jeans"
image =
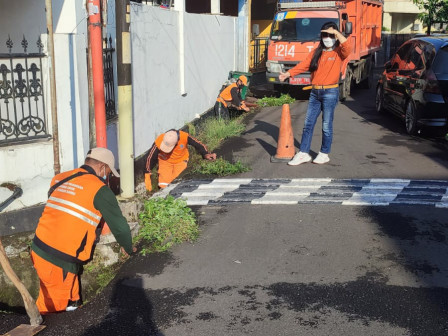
pixel 324 100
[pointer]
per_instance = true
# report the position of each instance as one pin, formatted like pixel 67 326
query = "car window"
pixel 400 59
pixel 429 52
pixel 415 61
pixel 440 64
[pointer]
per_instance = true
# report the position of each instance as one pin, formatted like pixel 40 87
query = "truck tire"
pixel 367 83
pixel 346 86
pixel 281 89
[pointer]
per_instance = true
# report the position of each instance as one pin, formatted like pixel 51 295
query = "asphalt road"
pixel 303 269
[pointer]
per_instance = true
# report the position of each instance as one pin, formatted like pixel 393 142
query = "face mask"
pixel 328 42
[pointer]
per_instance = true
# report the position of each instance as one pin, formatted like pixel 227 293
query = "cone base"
pixel 274 158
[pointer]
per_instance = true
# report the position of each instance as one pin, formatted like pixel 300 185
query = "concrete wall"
pixel 209 56
pixel 30 165
pixel 400 16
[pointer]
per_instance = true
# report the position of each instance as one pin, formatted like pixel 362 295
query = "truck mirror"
pixel 348 28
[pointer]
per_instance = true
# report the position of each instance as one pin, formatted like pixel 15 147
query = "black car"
pixel 414 84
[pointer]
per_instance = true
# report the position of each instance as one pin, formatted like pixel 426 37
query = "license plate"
pixel 300 80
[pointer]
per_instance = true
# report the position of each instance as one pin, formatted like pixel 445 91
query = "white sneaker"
pixel 299 158
pixel 321 158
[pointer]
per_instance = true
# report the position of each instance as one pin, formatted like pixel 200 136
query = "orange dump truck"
pixel 296 32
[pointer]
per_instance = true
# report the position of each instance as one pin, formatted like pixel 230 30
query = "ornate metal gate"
pixel 109 83
pixel 22 103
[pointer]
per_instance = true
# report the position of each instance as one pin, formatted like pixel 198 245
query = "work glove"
pixel 148 181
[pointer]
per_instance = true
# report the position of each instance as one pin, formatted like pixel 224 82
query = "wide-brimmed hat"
pixel 105 156
pixel 169 141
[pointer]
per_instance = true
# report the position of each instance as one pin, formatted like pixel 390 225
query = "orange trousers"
pixel 169 171
pixel 55 290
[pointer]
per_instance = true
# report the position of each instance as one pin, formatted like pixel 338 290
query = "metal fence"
pixel 109 79
pixel 258 54
pixel 22 103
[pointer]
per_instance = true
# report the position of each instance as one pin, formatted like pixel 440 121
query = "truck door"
pixel 394 89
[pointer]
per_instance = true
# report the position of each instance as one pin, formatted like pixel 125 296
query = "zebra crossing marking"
pixel 366 192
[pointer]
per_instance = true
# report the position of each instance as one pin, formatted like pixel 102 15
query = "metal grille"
pixel 109 83
pixel 259 49
pixel 22 103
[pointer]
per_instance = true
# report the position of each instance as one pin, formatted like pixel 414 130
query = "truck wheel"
pixel 346 86
pixel 368 82
pixel 411 118
pixel 281 89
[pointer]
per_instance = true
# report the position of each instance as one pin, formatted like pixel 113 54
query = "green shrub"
pixel 165 222
pixel 273 101
pixel 220 167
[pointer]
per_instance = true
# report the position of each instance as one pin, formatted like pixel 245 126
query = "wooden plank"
pixel 25 330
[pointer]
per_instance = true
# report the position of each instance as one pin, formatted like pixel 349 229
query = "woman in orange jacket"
pixel 325 66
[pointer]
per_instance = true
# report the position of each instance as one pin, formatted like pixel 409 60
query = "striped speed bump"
pixel 311 190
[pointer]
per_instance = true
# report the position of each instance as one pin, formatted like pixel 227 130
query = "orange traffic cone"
pixel 285 146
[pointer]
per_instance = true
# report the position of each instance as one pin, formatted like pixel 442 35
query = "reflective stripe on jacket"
pixel 68 225
pixel 180 151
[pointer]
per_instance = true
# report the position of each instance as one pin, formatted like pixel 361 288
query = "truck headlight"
pixel 274 66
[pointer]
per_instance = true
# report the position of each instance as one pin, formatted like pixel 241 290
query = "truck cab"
pixel 295 33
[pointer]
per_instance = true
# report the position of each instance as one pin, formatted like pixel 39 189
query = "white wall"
pixel 209 56
pixel 30 165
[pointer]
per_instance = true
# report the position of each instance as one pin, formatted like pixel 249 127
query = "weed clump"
pixel 165 222
pixel 220 167
pixel 273 101
pixel 213 131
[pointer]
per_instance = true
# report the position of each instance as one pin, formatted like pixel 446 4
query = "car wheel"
pixel 411 118
pixel 379 99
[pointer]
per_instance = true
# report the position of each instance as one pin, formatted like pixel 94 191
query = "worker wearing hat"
pixel 170 151
pixel 231 96
pixel 79 203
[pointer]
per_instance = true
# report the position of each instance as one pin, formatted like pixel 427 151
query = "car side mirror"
pixel 388 65
pixel 348 28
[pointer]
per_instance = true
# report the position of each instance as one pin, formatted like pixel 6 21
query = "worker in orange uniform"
pixel 79 202
pixel 231 96
pixel 170 150
pixel 325 64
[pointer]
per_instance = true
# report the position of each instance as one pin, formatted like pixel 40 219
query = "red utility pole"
pixel 96 51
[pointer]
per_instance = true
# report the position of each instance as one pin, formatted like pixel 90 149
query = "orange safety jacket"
pixel 226 97
pixel 68 226
pixel 180 151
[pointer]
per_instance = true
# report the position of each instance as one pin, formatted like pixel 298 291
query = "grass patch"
pixel 165 222
pixel 105 276
pixel 212 132
pixel 273 101
pixel 220 167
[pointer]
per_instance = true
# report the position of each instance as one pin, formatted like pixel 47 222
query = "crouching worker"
pixel 79 202
pixel 231 96
pixel 170 150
